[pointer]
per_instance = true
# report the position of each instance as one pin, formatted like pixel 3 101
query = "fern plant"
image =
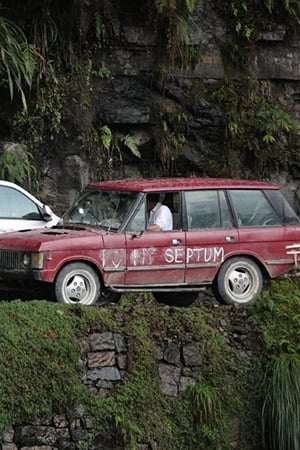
pixel 17 58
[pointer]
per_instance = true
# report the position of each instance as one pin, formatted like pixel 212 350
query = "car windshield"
pixel 105 209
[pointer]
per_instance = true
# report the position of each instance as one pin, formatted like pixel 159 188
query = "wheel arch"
pixel 89 262
pixel 265 273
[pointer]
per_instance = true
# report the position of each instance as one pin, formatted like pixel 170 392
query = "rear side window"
pixel 282 207
pixel 207 209
pixel 253 209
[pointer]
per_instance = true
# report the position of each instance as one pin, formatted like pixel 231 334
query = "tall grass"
pixel 205 401
pixel 281 408
pixel 277 317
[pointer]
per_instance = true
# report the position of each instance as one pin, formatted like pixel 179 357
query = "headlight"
pixel 33 260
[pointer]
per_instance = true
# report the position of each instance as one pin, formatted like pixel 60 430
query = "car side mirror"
pixel 47 213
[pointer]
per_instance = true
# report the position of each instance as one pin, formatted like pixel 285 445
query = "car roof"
pixel 173 184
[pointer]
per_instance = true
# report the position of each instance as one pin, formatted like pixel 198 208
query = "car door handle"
pixel 229 238
pixel 176 241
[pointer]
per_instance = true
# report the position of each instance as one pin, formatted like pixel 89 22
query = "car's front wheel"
pixel 175 298
pixel 77 283
pixel 109 296
pixel 239 281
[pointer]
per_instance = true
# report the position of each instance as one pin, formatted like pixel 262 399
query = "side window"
pixel 141 218
pixel 15 205
pixel 207 209
pixel 282 206
pixel 138 221
pixel 253 209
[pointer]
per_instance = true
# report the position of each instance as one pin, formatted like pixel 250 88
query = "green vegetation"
pixel 17 167
pixel 206 407
pixel 17 59
pixel 139 412
pixel 66 61
pixel 258 134
pixel 281 409
pixel 277 316
pixel 38 364
pixel 171 133
pixel 70 42
pixel 39 359
pixel 63 54
pixel 247 19
pixel 40 373
pixel 175 49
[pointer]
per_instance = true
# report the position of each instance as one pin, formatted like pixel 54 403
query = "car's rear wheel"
pixel 239 281
pixel 77 283
pixel 175 298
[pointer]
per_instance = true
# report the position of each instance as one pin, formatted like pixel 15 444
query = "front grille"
pixel 10 259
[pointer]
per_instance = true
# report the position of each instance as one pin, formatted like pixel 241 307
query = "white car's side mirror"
pixel 47 213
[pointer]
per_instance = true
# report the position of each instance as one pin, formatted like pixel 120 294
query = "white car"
pixel 19 210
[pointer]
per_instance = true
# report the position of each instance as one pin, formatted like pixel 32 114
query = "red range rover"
pixel 231 234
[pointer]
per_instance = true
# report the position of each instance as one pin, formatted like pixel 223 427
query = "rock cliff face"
pixel 132 101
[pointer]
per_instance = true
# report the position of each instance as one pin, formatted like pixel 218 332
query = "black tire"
pixel 239 281
pixel 109 296
pixel 77 283
pixel 175 298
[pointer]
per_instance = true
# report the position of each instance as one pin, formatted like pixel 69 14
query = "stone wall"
pixel 106 359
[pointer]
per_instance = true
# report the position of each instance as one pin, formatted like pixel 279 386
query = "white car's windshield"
pixel 106 209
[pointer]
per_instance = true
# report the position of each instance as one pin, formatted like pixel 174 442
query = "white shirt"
pixel 162 216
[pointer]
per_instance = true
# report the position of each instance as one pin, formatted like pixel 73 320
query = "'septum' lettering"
pixel 116 258
pixel 194 255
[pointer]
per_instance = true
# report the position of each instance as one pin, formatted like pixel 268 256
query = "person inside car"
pixel 160 217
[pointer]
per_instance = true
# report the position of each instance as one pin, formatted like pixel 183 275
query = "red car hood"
pixel 55 238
